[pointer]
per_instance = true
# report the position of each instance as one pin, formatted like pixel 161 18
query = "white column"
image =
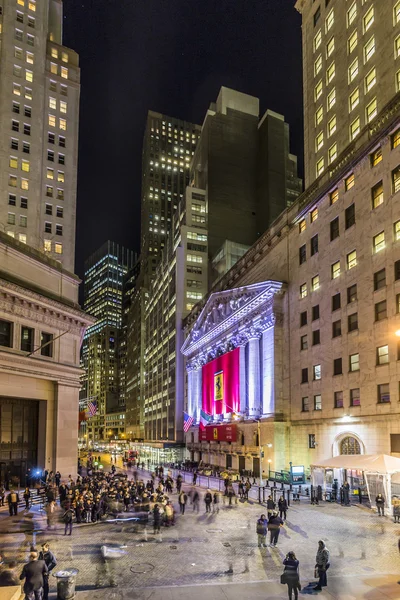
pixel 190 381
pixel 253 372
pixel 268 368
pixel 242 378
pixel 198 393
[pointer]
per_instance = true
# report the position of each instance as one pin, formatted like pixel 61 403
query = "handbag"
pixel 316 573
pixel 284 578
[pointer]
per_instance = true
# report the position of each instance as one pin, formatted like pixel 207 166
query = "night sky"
pixel 171 56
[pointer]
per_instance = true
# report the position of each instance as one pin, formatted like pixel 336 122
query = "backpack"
pixel 14 497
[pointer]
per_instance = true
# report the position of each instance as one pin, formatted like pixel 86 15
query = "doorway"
pixel 242 464
pixel 256 467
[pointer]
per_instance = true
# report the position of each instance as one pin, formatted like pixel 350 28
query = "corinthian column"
pixel 268 365
pixel 190 388
pixel 253 372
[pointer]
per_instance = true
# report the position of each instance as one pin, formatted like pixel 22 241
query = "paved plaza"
pixel 217 555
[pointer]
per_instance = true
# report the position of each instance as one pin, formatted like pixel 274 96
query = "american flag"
pixel 92 407
pixel 187 422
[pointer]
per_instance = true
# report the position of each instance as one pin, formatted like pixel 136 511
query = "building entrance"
pixel 18 439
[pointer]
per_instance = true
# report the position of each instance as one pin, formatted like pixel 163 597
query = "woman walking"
pixel 291 575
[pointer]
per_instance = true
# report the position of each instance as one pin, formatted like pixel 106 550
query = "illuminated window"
pixel 21 2
pixel 28 93
pixel 54 53
pixel 320 166
pixel 331 99
pixel 354 362
pixel 353 70
pixel 13 162
pixel 53 105
pixel 303 290
pixel 351 259
pixel 396 13
pixel 12 181
pixel 332 153
pixel 24 184
pixel 332 126
pixel 397 231
pixel 330 47
pixel 47 245
pixel 397 47
pixel 396 179
pixel 315 283
pixel 382 355
pixel 370 80
pixel 64 57
pixel 302 225
pixel 317 40
pixel 376 157
pixel 60 177
pixel 32 6
pixel 329 21
pixel 395 139
pixel 316 372
pixel 355 128
pixel 64 72
pixel 379 242
pixel 377 195
pixel 63 106
pixel 52 121
pixel 22 237
pixel 29 76
pixel 318 65
pixel 50 173
pixel 319 115
pixel 371 110
pixel 330 74
pixel 54 68
pixel 314 215
pixel 318 90
pixel 351 14
pixel 369 49
pixel 334 196
pixel 63 124
pixel 368 19
pixel 58 248
pixel 194 258
pixel 354 99
pixel 352 42
pixel 383 393
pixel 319 141
pixel 29 58
pixel 16 89
pixel 25 165
pixel 335 269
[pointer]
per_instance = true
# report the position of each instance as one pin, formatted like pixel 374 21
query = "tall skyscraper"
pixel 39 111
pixel 350 73
pixel 102 345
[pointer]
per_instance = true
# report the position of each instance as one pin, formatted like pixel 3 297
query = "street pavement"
pixel 215 557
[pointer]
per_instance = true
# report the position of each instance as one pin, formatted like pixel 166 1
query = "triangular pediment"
pixel 221 308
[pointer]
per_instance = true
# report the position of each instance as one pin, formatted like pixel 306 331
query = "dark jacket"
pixel 10 496
pixel 262 526
pixel 270 504
pixel 282 505
pixel 380 500
pixel 274 523
pixel 33 574
pixel 208 498
pixel 291 570
pixel 49 559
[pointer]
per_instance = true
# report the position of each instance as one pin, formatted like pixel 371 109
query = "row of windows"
pixel 48 246
pixel 28 75
pixel 20 18
pixel 11 220
pixel 23 164
pixel 62 123
pixel 62 105
pixel 59 210
pixel 29 38
pixel 27 337
pixel 18 90
pixel 55 69
pixel 12 201
pixel 383 397
pixel 20 236
pixel 55 53
pixel 48 227
pixel 351 262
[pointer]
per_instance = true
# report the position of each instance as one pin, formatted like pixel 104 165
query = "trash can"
pixel 66 583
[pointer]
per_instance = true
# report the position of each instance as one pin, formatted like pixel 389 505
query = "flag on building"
pixel 187 422
pixel 204 419
pixel 92 408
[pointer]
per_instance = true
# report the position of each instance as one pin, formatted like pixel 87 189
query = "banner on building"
pixel 219 433
pixel 220 381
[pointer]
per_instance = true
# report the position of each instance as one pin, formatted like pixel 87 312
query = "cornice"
pixel 11 362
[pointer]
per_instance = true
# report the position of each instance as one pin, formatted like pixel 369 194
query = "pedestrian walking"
pixel 291 575
pixel 194 477
pixel 50 513
pixel 270 506
pixel 2 494
pixel 396 509
pixel 33 573
pixel 274 525
pixel 196 500
pixel 261 529
pixel 50 561
pixel 27 498
pixel 247 488
pixel 182 501
pixel 380 505
pixel 67 518
pixel 322 565
pixel 13 500
pixel 208 500
pixel 58 478
pixel 216 502
pixel 156 519
pixel 179 484
pixel 282 506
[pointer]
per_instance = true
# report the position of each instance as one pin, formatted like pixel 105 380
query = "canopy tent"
pixel 370 464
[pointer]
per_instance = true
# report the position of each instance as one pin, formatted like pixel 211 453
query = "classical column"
pixel 240 341
pixel 268 365
pixel 253 372
pixel 190 388
pixel 198 387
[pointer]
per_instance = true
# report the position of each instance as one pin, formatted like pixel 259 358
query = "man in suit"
pixel 33 573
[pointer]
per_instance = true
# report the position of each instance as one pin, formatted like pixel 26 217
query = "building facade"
pixel 39 108
pixel 41 330
pixel 350 73
pixel 103 349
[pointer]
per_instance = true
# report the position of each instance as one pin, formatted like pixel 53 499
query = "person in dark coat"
pixel 292 575
pixel 67 518
pixel 261 529
pixel 51 562
pixel 13 500
pixel 274 525
pixel 283 506
pixel 27 498
pixel 33 573
pixel 380 505
pixel 208 501
pixel 322 565
pixel 156 519
pixel 270 506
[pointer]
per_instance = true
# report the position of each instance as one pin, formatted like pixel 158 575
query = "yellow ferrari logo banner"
pixel 219 386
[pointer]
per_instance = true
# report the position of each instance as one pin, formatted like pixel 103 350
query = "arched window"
pixel 350 445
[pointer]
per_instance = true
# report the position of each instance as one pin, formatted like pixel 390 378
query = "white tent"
pixel 371 464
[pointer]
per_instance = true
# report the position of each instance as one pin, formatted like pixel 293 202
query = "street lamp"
pixel 397 333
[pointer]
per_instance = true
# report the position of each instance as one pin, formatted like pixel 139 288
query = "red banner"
pixel 221 389
pixel 218 433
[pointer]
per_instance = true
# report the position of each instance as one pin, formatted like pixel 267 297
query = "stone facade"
pixel 39 302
